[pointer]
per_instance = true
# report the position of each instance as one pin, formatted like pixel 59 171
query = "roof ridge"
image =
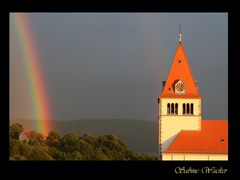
pixel 192 76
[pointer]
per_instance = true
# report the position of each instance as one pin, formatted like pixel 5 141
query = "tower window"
pixel 179 61
pixel 176 108
pixel 222 140
pixel 191 108
pixel 187 108
pixel 184 108
pixel 168 108
pixel 169 89
pixel 172 108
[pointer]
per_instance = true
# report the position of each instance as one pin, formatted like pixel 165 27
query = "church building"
pixel 183 135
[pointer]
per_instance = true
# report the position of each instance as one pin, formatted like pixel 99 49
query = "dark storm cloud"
pixel 111 65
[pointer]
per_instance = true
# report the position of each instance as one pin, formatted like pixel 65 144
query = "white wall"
pixel 190 157
pixel 171 125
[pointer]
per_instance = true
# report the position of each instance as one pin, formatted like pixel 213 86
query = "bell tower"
pixel 179 104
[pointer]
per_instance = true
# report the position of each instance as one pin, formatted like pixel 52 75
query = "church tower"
pixel 179 104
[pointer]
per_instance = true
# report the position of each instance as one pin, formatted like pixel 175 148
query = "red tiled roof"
pixel 213 138
pixel 180 71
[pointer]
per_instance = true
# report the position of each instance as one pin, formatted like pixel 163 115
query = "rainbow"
pixel 31 61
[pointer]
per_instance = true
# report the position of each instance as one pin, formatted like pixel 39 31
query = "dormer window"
pixel 179 87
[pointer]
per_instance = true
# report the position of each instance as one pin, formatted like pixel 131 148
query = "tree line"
pixel 69 147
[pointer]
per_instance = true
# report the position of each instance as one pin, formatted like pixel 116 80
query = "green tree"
pixel 24 149
pixel 70 147
pixel 35 138
pixel 14 147
pixel 53 139
pixel 99 155
pixel 145 156
pixel 86 150
pixel 75 156
pixel 18 157
pixel 90 138
pixel 15 130
pixel 130 155
pixel 110 146
pixel 19 150
pixel 70 142
pixel 38 153
pixel 122 143
pixel 56 153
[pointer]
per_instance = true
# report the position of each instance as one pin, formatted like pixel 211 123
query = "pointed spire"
pixel 180 70
pixel 180 35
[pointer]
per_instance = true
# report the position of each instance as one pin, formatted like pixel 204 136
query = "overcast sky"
pixel 111 65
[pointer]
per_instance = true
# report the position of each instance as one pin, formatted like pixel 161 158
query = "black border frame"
pixel 118 169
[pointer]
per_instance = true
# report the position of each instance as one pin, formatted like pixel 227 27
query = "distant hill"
pixel 140 135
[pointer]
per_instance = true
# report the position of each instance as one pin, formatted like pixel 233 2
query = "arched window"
pixel 168 108
pixel 187 108
pixel 191 108
pixel 176 108
pixel 172 108
pixel 184 108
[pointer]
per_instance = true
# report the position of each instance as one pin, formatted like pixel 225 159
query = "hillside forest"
pixel 31 145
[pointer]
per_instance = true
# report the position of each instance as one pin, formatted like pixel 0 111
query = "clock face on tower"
pixel 179 87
